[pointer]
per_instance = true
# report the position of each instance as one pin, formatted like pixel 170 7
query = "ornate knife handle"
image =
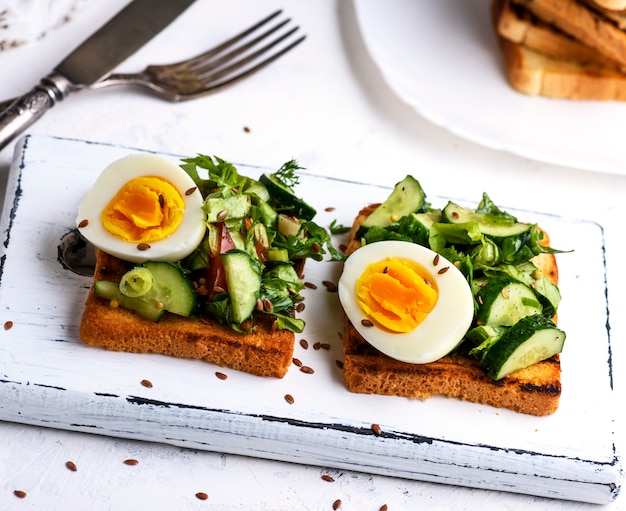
pixel 27 109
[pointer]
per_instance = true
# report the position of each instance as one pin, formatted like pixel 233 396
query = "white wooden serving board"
pixel 49 378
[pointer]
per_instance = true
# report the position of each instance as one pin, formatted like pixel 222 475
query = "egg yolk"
pixel 396 294
pixel 145 209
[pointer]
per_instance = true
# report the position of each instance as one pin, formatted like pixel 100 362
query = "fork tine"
pixel 214 87
pixel 228 43
pixel 199 64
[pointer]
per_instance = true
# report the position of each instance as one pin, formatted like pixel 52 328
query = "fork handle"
pixel 27 109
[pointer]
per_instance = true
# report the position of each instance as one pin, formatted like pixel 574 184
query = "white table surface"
pixel 327 105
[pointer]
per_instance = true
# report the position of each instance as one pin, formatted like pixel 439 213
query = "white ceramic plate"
pixel 442 59
pixel 50 378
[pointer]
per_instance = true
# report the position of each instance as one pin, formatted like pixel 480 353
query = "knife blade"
pixel 94 59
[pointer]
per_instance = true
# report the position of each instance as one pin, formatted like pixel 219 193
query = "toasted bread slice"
pixel 534 73
pixel 584 23
pixel 519 26
pixel 264 352
pixel 534 390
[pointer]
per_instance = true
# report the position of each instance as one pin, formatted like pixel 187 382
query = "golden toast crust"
pixel 534 390
pixel 558 67
pixel 265 352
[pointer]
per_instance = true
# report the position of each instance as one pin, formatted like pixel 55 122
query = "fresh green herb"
pixel 287 176
pixel 336 228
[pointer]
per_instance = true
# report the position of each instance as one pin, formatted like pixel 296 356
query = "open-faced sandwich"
pixel 456 302
pixel 198 267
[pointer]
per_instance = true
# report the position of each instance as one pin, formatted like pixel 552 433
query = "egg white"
pixel 443 328
pixel 177 245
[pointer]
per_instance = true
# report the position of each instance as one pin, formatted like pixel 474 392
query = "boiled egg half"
pixel 143 207
pixel 405 300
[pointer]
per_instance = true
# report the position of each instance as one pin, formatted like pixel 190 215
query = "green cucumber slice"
pixel 490 225
pixel 286 198
pixel 503 301
pixel 407 197
pixel 531 340
pixel 243 278
pixel 140 306
pixel 171 291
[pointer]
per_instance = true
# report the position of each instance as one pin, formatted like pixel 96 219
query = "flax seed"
pixel 307 370
pixel 336 504
pixel 146 383
pixel 191 190
pixel 376 429
pixel 221 376
pixel 328 478
pixel 299 307
pixel 317 346
pixel 246 129
pixel 304 343
pixel 131 462
pixel 19 494
pixel 8 325
pixel 71 466
pixel 367 323
pixel 339 364
pixel 330 209
pixel 83 223
pixel 143 246
pixel 161 201
pixel 297 362
pixel 443 270
pixel 325 346
pixel 383 507
pixel 222 214
pixel 330 286
pixel 201 495
pixel 289 398
pixel 436 260
pixel 310 285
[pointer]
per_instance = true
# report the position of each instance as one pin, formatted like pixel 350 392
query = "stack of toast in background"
pixel 574 49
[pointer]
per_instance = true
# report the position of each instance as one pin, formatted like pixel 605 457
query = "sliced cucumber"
pixel 407 197
pixel 503 301
pixel 427 219
pixel 531 340
pixel 171 288
pixel 490 225
pixel 171 291
pixel 219 209
pixel 140 306
pixel 286 198
pixel 243 278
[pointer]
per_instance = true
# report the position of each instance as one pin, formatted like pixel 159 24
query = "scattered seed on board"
pixel 19 494
pixel 246 129
pixel 328 478
pixel 146 383
pixel 331 287
pixel 307 369
pixel 296 362
pixel 317 345
pixel 376 429
pixel 71 466
pixel 289 398
pixel 310 285
pixel 220 375
pixel 131 462
pixel 330 209
pixel 201 495
pixel 336 504
pixel 383 507
pixel 304 343
pixel 8 325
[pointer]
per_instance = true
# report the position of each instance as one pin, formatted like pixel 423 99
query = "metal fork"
pixel 222 66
